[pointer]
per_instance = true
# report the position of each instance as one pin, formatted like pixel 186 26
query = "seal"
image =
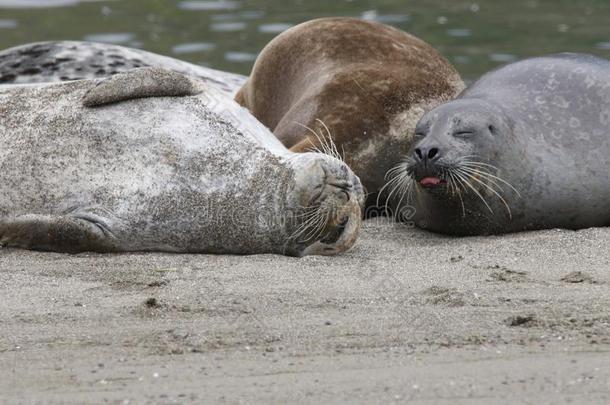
pixel 55 61
pixel 525 147
pixel 360 84
pixel 153 160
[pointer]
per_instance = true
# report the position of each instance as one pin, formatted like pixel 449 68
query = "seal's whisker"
pixel 307 214
pixel 332 144
pixel 467 183
pixel 398 168
pixel 401 178
pixel 484 181
pixel 410 191
pixel 451 181
pixel 309 217
pixel 323 148
pixel 393 175
pixel 395 183
pixel 493 191
pixel 480 165
pixel 445 174
pixel 483 174
pixel 318 227
pixel 388 184
pixel 458 190
pixel 404 190
pixel 398 180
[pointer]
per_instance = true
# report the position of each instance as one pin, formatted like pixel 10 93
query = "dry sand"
pixel 405 316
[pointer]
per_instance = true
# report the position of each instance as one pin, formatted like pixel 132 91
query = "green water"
pixel 227 34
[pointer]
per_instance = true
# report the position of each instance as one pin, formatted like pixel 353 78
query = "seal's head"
pixel 453 153
pixel 328 200
pixel 455 140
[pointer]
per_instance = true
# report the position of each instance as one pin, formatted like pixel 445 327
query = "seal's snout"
pixel 427 171
pixel 425 154
pixel 332 199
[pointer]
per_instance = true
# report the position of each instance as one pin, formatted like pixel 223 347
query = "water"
pixel 227 34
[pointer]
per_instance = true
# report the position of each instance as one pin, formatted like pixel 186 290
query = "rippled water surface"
pixel 227 34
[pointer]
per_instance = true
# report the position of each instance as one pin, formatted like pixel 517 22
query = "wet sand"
pixel 405 316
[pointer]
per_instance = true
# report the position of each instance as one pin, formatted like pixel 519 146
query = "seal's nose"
pixel 425 154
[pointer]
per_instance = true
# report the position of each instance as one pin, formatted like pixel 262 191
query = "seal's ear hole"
pixel 492 129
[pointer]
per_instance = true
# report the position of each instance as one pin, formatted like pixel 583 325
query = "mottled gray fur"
pixel 54 61
pixel 181 174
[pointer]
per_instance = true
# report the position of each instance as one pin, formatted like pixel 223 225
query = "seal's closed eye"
pixel 141 83
pixel 463 134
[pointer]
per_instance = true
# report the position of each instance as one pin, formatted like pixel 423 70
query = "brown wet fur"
pixel 356 77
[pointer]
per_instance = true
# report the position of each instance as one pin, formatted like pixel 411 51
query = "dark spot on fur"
pixel 7 78
pixel 159 283
pixel 521 320
pixel 578 277
pixel 31 53
pixel 152 303
pixel 31 71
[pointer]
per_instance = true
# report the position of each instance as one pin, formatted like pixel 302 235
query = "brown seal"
pixel 363 83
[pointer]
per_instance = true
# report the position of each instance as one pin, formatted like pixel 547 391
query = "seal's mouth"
pixel 432 181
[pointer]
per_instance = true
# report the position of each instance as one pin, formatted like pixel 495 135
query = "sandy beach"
pixel 406 316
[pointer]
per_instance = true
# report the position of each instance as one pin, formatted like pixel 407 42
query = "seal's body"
pixel 525 147
pixel 55 61
pixel 119 165
pixel 364 84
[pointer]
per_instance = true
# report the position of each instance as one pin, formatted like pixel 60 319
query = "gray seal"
pixel 153 160
pixel 525 147
pixel 56 61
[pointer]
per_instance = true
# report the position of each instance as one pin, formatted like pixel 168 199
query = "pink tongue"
pixel 430 181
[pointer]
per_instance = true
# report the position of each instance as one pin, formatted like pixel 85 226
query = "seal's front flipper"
pixel 68 234
pixel 142 83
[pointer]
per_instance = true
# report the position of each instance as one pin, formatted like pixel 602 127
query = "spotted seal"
pixel 525 147
pixel 55 61
pixel 361 84
pixel 153 160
